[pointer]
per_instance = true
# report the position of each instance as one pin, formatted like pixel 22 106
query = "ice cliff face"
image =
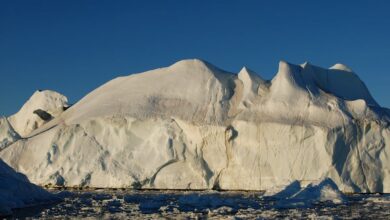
pixel 194 126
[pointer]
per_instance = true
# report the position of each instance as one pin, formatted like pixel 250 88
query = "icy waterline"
pixel 123 204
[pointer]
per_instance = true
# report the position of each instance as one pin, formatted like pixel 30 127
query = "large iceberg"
pixel 194 126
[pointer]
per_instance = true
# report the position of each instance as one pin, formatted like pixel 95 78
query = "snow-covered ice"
pixel 194 126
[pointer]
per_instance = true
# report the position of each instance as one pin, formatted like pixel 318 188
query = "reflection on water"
pixel 211 204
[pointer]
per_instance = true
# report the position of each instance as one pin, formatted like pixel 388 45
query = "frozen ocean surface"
pixel 124 204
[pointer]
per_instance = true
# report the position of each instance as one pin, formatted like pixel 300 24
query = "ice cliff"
pixel 194 126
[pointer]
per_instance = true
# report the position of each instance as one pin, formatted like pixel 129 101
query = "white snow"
pixel 17 192
pixel 194 126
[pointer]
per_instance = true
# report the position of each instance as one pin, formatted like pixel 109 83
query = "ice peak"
pixel 245 71
pixel 306 64
pixel 48 101
pixel 199 67
pixel 286 71
pixel 191 63
pixel 283 66
pixel 339 66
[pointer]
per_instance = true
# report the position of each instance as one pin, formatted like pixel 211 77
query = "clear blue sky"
pixel 74 46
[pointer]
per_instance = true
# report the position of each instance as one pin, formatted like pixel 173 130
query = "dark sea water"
pixel 110 204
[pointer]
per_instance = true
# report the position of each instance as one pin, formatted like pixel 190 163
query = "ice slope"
pixel 194 126
pixel 192 90
pixel 17 192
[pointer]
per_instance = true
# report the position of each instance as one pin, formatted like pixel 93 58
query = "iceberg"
pixel 194 126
